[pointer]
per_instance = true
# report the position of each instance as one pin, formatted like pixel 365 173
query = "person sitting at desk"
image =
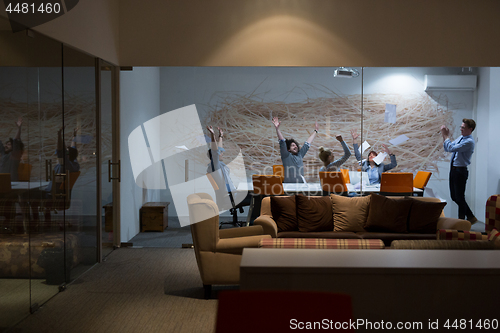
pixel 374 171
pixel 326 156
pixel 220 173
pixel 292 155
pixel 66 161
pixel 11 152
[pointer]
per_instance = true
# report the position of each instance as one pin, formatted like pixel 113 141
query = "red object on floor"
pixel 283 311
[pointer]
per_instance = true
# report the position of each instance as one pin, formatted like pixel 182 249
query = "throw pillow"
pixel 388 215
pixel 284 213
pixel 314 213
pixel 424 216
pixel 349 214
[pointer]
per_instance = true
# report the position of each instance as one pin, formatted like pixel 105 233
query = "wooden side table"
pixel 154 216
pixel 108 217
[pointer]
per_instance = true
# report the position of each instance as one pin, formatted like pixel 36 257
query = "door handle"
pixel 119 171
pixel 48 170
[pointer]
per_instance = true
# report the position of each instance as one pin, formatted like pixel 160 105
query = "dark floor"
pixel 174 236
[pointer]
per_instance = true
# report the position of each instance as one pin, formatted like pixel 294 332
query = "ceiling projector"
pixel 345 72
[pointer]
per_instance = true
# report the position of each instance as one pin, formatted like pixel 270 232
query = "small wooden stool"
pixel 154 216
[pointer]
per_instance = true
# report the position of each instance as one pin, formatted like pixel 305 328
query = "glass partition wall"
pixel 374 106
pixel 49 188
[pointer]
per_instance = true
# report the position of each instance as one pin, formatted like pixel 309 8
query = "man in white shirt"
pixel 462 149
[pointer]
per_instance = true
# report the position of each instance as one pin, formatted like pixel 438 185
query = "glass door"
pixel 78 205
pixel 31 114
pixel 42 122
pixel 107 166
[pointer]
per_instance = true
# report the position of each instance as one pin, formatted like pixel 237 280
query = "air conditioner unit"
pixel 450 82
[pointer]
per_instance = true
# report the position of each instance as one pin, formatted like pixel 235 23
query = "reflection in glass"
pixel 45 238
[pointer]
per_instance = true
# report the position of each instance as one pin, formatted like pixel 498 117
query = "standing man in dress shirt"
pixel 462 149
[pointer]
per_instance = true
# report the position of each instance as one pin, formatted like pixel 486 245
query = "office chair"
pixel 421 179
pixel 333 182
pixel 264 185
pixel 60 199
pixel 396 183
pixel 7 201
pixel 345 172
pixel 267 185
pixel 219 194
pixel 279 170
pixel 24 172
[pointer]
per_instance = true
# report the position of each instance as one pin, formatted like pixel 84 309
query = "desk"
pixel 389 285
pixel 315 188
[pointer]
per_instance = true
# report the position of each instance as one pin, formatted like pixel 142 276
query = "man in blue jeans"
pixel 462 149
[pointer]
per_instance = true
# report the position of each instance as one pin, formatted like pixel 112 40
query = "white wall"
pixel 494 123
pixel 139 102
pixel 487 153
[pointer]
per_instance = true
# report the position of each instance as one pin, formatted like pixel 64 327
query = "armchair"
pixel 218 252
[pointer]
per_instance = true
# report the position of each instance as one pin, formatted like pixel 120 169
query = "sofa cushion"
pixel 284 213
pixel 388 237
pixel 349 214
pixel 441 245
pixel 321 234
pixel 320 243
pixel 424 216
pixel 314 213
pixel 388 215
pixel 451 234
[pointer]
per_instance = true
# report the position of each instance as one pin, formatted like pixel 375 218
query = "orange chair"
pixel 279 170
pixel 5 183
pixel 396 183
pixel 7 201
pixel 333 182
pixel 267 185
pixel 61 196
pixel 263 185
pixel 345 172
pixel 24 172
pixel 421 179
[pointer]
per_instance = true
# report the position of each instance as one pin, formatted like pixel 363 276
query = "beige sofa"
pixel 218 252
pixel 355 218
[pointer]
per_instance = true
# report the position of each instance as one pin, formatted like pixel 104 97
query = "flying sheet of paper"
pixel 400 139
pixel 182 147
pixel 380 158
pixel 364 147
pixel 390 113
